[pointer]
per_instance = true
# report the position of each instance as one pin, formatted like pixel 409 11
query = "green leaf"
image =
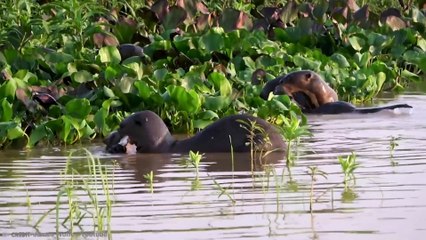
pixel 356 43
pixel 8 89
pixel 5 126
pixel 216 103
pixel 15 133
pixel 340 60
pixel 109 54
pixel 186 100
pixel 143 89
pixel 6 111
pixel 212 41
pixel 221 83
pixel 38 134
pixel 100 121
pixel 111 72
pixel 78 108
pixel 82 76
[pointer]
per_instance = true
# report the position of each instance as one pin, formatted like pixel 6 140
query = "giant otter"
pixel 313 94
pixel 306 81
pixel 148 132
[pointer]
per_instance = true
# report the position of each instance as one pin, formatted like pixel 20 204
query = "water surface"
pixel 388 200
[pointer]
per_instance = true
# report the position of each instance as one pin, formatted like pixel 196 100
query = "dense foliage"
pixel 67 73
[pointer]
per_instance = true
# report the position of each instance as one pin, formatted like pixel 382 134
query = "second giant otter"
pixel 148 132
pixel 314 95
pixel 308 82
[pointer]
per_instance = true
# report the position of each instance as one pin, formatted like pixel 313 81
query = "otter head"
pixel 115 143
pixel 298 81
pixel 147 131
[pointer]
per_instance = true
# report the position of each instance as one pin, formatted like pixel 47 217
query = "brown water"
pixel 388 200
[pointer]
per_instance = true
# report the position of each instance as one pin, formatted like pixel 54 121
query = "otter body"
pixel 308 82
pixel 345 107
pixel 148 132
pixel 313 94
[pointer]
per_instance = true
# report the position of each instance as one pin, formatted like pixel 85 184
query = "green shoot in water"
pixel 224 191
pixel 348 165
pixel 72 182
pixel 258 139
pixel 30 215
pixel 149 177
pixel 195 158
pixel 313 171
pixel 292 131
pixel 392 145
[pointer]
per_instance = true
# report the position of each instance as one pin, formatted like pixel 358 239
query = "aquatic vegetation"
pixel 254 130
pixel 292 130
pixel 66 77
pixel 73 183
pixel 195 158
pixel 149 177
pixel 393 143
pixel 28 202
pixel 224 191
pixel 313 172
pixel 348 165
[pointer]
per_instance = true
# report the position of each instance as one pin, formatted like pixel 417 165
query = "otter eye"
pixel 137 122
pixel 308 75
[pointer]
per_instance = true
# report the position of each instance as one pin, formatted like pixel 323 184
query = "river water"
pixel 230 201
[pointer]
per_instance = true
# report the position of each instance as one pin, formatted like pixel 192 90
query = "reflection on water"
pixel 388 200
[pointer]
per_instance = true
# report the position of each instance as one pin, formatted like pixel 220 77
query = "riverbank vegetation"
pixel 71 71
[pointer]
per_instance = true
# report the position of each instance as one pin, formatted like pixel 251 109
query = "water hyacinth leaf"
pixel 143 88
pixel 160 74
pixel 111 72
pixel 409 75
pixel 37 135
pixel 135 66
pixel 109 54
pixel 356 43
pixel 15 132
pixel 174 18
pixel 25 76
pixel 8 89
pixel 126 84
pixel 216 103
pixel 187 100
pixel 421 43
pixel 6 111
pixel 306 63
pixel 212 41
pixel 362 59
pixel 380 80
pixel 202 123
pixel 340 60
pixel 78 108
pixel 100 121
pixel 82 76
pixel 221 82
pixel 5 126
pixel 124 29
pixel 108 92
pixel 249 62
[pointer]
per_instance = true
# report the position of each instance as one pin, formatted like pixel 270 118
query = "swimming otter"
pixel 148 132
pixel 313 94
pixel 306 81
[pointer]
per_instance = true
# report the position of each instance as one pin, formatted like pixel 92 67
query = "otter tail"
pixel 378 109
